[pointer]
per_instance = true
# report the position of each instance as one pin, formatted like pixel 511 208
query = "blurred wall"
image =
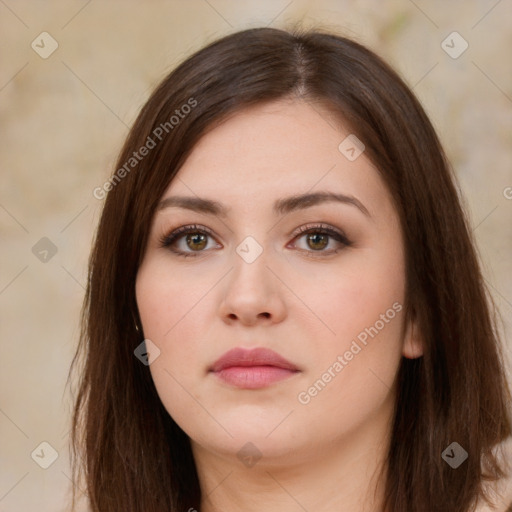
pixel 65 110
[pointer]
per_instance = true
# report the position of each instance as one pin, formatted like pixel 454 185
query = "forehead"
pixel 275 150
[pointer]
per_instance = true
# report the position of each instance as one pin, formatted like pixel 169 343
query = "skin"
pixel 303 303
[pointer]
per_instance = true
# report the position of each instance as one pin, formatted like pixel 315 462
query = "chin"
pixel 268 439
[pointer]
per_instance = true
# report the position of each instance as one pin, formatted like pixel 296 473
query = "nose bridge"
pixel 250 261
pixel 252 289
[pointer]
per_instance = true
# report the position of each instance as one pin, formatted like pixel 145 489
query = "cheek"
pixel 353 373
pixel 348 297
pixel 168 305
pixel 361 307
pixel 167 299
pixel 173 310
pixel 160 308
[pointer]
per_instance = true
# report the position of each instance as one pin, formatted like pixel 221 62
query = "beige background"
pixel 64 119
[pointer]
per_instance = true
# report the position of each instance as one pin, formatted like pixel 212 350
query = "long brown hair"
pixel 131 454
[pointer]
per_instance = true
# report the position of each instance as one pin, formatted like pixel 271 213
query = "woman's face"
pixel 332 306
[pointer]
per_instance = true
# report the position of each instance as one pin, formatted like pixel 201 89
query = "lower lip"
pixel 253 377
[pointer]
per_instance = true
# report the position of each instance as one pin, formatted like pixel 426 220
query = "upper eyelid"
pixel 200 227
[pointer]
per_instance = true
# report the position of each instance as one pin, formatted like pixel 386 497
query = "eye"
pixel 317 239
pixel 196 239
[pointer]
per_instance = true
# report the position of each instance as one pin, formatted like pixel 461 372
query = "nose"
pixel 253 294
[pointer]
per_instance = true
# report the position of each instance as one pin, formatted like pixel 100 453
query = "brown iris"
pixel 197 238
pixel 315 237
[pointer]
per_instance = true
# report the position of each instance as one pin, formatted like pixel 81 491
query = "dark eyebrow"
pixel 297 202
pixel 281 206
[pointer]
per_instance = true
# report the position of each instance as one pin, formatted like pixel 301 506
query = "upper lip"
pixel 253 357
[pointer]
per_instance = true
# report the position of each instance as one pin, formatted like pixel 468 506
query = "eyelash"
pixel 167 241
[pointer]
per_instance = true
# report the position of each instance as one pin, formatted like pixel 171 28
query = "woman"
pixel 285 310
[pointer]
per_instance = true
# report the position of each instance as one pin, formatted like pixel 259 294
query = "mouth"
pixel 252 369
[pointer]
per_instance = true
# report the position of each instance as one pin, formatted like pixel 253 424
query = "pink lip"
pixel 252 369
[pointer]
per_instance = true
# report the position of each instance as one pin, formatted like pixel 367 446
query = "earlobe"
pixel 413 342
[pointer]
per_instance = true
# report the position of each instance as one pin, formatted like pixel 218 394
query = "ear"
pixel 413 344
